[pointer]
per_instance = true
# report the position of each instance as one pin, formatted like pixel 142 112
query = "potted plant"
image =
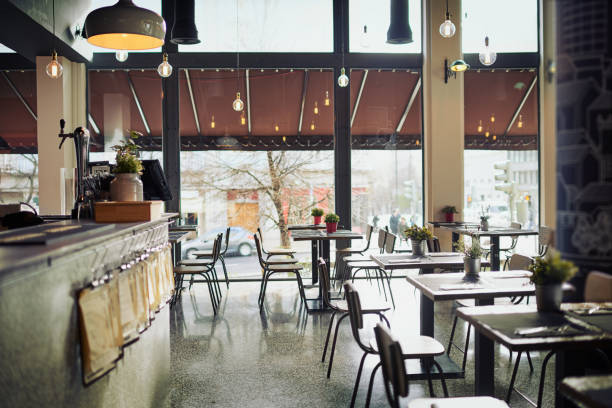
pixel 331 222
pixel 449 213
pixel 471 259
pixel 548 274
pixel 127 185
pixel 317 213
pixel 418 236
pixel 484 218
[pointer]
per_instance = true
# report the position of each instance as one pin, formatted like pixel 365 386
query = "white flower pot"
pixel 126 187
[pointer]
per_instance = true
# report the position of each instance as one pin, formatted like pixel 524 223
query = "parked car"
pixel 241 242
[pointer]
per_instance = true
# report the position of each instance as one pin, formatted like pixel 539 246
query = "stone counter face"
pixel 39 334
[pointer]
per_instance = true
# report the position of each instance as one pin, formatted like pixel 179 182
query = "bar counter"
pixel 39 322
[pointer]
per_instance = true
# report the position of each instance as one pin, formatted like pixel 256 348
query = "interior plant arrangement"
pixel 472 254
pixel 449 213
pixel 317 213
pixel 548 274
pixel 331 222
pixel 418 236
pixel 127 185
pixel 484 218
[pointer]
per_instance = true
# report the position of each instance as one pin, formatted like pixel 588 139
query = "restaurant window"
pixel 498 20
pixel 263 26
pixel 18 138
pixel 501 142
pixel 387 163
pixel 272 161
pixel 369 22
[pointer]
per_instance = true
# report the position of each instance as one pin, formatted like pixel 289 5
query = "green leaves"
pixel 552 269
pixel 473 251
pixel 331 217
pixel 125 155
pixel 316 212
pixel 417 233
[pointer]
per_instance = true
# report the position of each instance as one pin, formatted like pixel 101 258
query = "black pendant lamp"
pixel 125 26
pixel 184 30
pixel 399 29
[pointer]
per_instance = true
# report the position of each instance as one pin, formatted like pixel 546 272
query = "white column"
pixel 57 99
pixel 116 119
pixel 443 115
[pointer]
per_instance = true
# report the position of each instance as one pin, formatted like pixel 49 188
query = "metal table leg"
pixel 484 356
pixel 495 253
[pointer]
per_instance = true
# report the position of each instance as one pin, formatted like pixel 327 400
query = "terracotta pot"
pixel 331 227
pixel 317 219
pixel 126 187
pixel 449 217
pixel 548 297
pixel 418 248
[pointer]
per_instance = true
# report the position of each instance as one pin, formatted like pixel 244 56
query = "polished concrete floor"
pixel 244 358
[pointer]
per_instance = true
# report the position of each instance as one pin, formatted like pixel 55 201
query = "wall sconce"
pixel 456 66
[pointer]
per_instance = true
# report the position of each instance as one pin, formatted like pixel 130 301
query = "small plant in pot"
pixel 127 185
pixel 418 236
pixel 471 259
pixel 449 213
pixel 484 218
pixel 331 222
pixel 317 213
pixel 548 274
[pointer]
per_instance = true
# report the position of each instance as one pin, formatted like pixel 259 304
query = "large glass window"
pixel 263 26
pixel 498 20
pixel 386 173
pixel 369 22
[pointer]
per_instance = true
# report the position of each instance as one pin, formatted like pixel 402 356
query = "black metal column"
pixel 171 138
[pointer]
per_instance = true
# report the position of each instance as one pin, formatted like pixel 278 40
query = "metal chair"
pixel 506 251
pixel 546 238
pixel 208 254
pixel 339 307
pixel 421 347
pixel 343 252
pixel 276 251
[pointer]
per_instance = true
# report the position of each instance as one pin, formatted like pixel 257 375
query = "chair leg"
pixel 465 349
pixel 261 285
pixel 452 334
pixel 530 363
pixel 331 323
pixel 224 270
pixel 542 377
pixel 333 349
pixel 354 396
pixel 371 385
pixel 213 301
pixel 513 378
pixel 263 292
pixel 388 279
pixel 432 394
pixel 442 379
pixel 298 277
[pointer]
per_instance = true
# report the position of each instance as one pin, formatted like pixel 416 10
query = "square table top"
pixel 322 235
pixel 499 323
pixel 593 391
pixel 446 260
pixel 451 286
pixel 493 231
pixel 295 227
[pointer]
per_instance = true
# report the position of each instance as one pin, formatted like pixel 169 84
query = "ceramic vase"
pixel 126 187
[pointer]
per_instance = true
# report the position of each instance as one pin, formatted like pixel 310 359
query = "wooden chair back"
pixel 324 281
pixel 519 262
pixel 392 362
pixel 598 287
pixel 382 237
pixel 390 243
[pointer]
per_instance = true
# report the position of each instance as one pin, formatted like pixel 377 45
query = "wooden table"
pixel 592 391
pixel 497 324
pixel 298 227
pixel 494 233
pixel 314 246
pixel 320 248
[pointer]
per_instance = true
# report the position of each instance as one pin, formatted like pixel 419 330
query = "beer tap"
pixel 81 144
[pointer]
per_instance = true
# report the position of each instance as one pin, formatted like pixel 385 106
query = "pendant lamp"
pixel 54 69
pixel 487 56
pixel 184 29
pixel 399 29
pixel 125 26
pixel 447 28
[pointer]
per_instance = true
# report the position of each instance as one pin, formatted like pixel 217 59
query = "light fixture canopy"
pixel 399 31
pixel 487 56
pixel 54 69
pixel 121 55
pixel 125 26
pixel 451 70
pixel 238 104
pixel 164 69
pixel 343 79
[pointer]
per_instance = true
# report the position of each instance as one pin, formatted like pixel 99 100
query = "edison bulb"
pixel 242 120
pixel 343 80
pixel 479 126
pixel 487 133
pixel 212 122
pixel 487 56
pixel 312 126
pixel 365 38
pixel 121 55
pixel 316 108
pixel 164 69
pixel 520 121
pixel 54 68
pixel 238 105
pixel 326 102
pixel 447 28
pixel 276 128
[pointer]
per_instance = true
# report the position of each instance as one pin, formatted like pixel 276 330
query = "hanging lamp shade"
pixel 399 29
pixel 184 29
pixel 125 26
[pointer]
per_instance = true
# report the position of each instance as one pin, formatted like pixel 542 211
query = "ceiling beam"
pixel 363 81
pixel 304 89
pixel 19 96
pixel 415 91
pixel 520 105
pixel 248 100
pixel 137 101
pixel 193 104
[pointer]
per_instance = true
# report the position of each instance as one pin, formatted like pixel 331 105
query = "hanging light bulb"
pixel 343 80
pixel 479 126
pixel 365 38
pixel 284 138
pixel 212 122
pixel 312 126
pixel 276 128
pixel 520 122
pixel 487 133
pixel 326 101
pixel 492 118
pixel 238 105
pixel 487 56
pixel 242 120
pixel 121 55
pixel 494 137
pixel 447 28
pixel 54 68
pixel 316 108
pixel 164 69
